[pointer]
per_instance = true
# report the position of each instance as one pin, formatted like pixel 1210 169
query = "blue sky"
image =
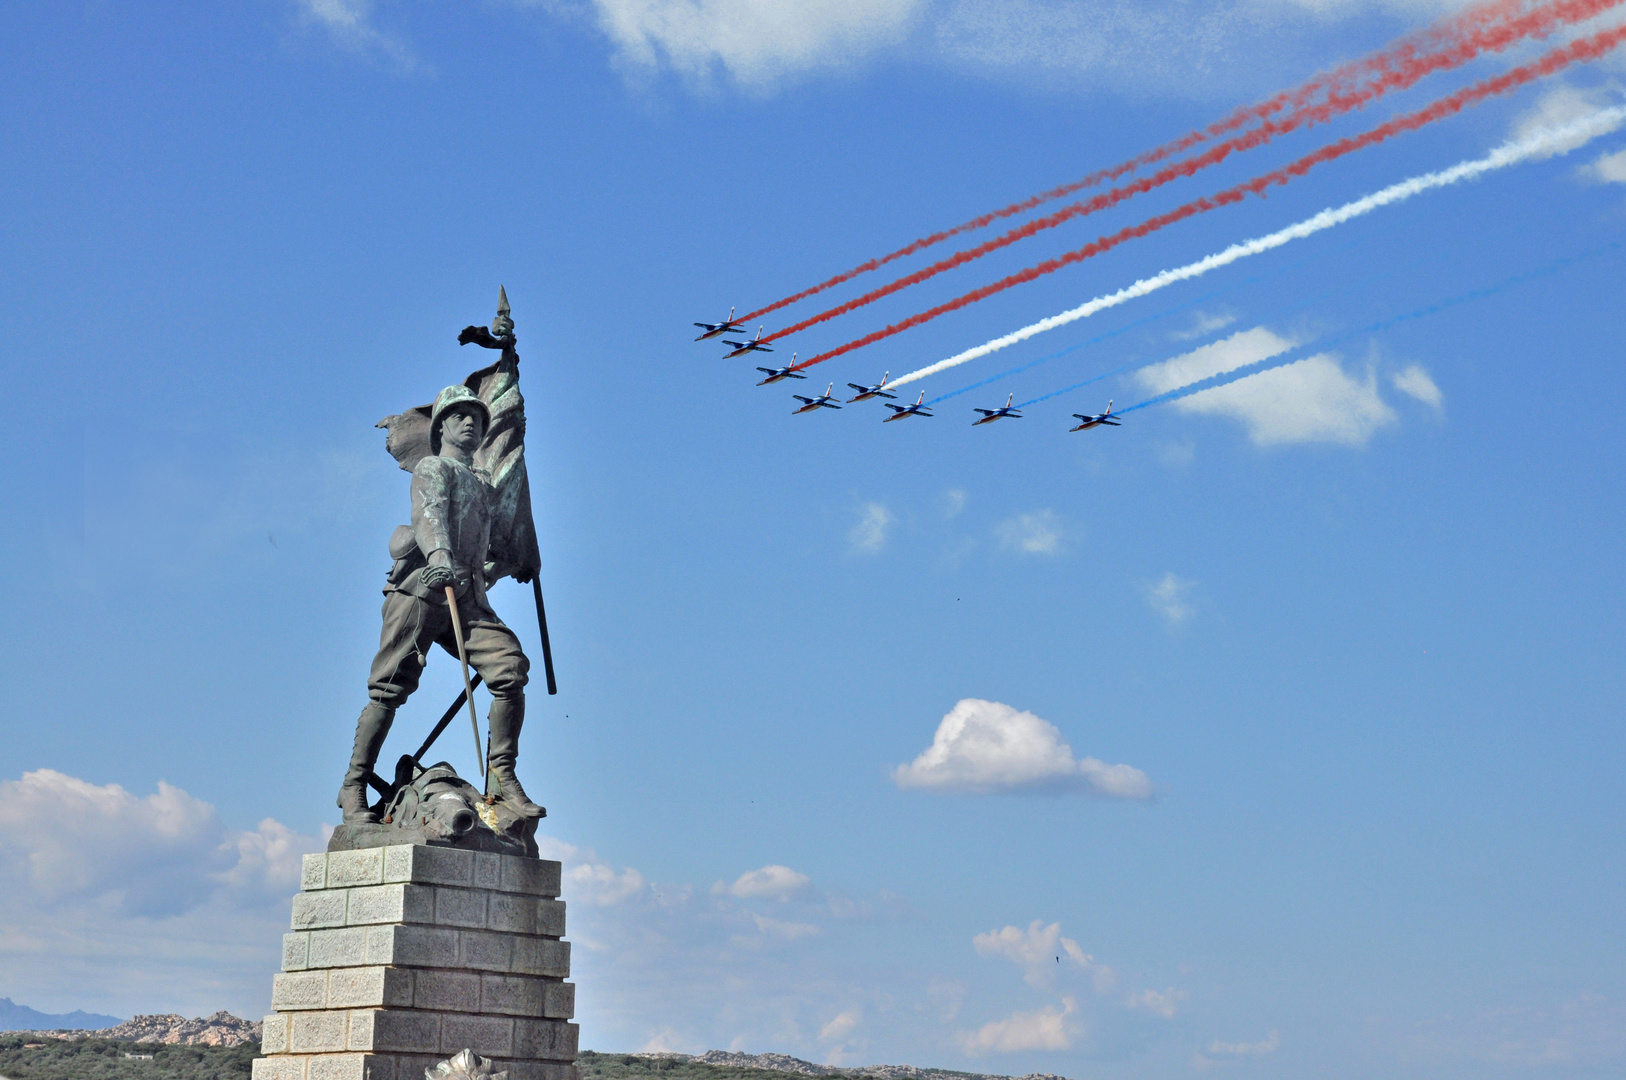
pixel 1350 630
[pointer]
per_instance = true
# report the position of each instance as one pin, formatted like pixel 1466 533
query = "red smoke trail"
pixel 1583 49
pixel 1461 37
pixel 1537 23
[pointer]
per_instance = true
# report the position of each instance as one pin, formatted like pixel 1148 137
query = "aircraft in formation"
pixel 1095 419
pixel 826 400
pixel 742 347
pixel 713 329
pixel 867 392
pixel 823 401
pixel 990 415
pixel 776 373
pixel 900 411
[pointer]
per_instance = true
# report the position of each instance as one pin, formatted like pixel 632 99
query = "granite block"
pixel 550 917
pixel 346 869
pixel 450 991
pixel 398 903
pixel 278 1068
pixel 404 1031
pixel 274 1034
pixel 459 907
pixel 313 872
pixel 296 950
pixel 486 951
pixel 318 1032
pixel 511 912
pixel 338 948
pixel 487 870
pixel 315 910
pixel 414 946
pixel 511 995
pixel 292 990
pixel 488 1036
pixel 549 1039
pixel 537 877
pixel 421 865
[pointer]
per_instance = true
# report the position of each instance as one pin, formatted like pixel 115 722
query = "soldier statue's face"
pixel 462 429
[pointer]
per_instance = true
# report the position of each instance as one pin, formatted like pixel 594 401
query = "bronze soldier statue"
pixel 471 524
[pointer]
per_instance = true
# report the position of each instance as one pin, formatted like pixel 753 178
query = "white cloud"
pixel 1202 325
pixel 349 23
pixel 1039 950
pixel 772 882
pixel 1415 382
pixel 756 43
pixel 783 930
pixel 146 901
pixel 1610 169
pixel 983 747
pixel 842 1026
pixel 1046 1029
pixel 1031 534
pixel 1240 349
pixel 589 880
pixel 1157 1002
pixel 1558 106
pixel 69 840
pixel 1268 1045
pixel 1170 597
pixel 1313 400
pixel 868 537
pixel 953 502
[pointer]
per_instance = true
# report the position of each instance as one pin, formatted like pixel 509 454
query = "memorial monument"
pixel 429 937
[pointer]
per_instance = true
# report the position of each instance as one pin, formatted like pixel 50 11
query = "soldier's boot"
pixel 371 727
pixel 507 716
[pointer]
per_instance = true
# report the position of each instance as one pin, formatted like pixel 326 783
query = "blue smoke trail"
pixel 1110 334
pixel 1292 356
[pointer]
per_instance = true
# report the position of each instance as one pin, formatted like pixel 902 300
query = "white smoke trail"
pixel 1543 142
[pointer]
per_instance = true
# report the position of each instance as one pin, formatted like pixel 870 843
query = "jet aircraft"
pixel 867 392
pixel 823 401
pixel 712 329
pixel 1095 419
pixel 900 411
pixel 990 415
pixel 743 347
pixel 776 373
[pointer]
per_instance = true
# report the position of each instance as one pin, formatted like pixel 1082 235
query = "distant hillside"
pixel 15 1017
pixel 724 1065
pixel 25 1057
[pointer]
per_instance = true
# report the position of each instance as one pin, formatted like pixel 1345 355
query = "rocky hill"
pixel 171 1029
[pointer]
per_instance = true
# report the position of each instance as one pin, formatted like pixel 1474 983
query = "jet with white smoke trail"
pixel 1540 143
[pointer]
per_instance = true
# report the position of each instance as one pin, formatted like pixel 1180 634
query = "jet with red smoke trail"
pixel 1581 50
pixel 900 411
pixel 776 373
pixel 1092 419
pixel 727 326
pixel 990 415
pixel 823 401
pixel 1492 26
pixel 867 392
pixel 756 344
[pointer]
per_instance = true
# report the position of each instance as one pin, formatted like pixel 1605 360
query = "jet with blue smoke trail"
pixel 1095 419
pixel 990 415
pixel 1299 353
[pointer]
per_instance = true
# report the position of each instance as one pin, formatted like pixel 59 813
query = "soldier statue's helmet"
pixel 450 398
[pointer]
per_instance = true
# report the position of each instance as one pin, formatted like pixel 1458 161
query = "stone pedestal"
pixel 402 956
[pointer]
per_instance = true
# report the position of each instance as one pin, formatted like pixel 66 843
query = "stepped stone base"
pixel 401 956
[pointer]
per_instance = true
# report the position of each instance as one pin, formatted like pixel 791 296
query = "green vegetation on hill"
pixel 103 1059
